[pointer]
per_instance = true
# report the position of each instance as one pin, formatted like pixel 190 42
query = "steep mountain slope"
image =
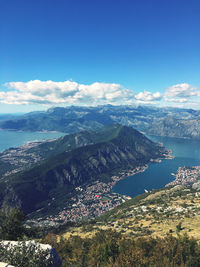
pixel 18 159
pixel 173 127
pixel 55 179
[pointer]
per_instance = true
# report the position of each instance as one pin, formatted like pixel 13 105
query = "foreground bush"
pixel 26 255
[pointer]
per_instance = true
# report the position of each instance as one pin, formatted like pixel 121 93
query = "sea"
pixel 186 152
pixel 10 139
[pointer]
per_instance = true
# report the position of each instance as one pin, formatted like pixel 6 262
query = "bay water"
pixel 10 139
pixel 186 152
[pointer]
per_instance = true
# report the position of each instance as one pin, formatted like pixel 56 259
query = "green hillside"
pixel 117 148
pixel 160 228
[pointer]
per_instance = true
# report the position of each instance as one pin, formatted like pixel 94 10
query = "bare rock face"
pixel 172 127
pixel 49 253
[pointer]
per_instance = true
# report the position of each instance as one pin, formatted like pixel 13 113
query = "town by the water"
pixel 89 201
pixel 187 176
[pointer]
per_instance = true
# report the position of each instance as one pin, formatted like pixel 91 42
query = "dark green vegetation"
pixel 21 253
pixel 25 256
pixel 115 148
pixel 109 248
pixel 26 156
pixel 171 122
pixel 11 223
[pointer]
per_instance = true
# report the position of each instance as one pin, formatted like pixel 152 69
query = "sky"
pixel 94 52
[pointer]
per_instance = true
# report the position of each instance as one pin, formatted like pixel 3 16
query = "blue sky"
pixel 91 52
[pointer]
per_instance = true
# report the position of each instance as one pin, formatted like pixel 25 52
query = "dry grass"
pixel 152 222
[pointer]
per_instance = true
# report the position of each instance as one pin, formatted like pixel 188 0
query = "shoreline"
pixel 29 131
pixel 91 200
pixel 138 169
pixel 188 176
pixel 124 174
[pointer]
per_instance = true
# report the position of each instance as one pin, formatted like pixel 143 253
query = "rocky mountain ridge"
pixel 172 122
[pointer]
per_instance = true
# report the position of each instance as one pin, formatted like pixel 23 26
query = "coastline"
pixel 124 174
pixel 29 131
pixel 188 176
pixel 92 200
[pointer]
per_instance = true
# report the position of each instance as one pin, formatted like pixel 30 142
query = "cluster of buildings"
pixel 186 176
pixel 19 158
pixel 89 201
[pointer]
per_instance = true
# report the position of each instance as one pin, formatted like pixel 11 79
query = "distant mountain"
pixel 172 122
pixel 173 127
pixel 67 120
pixel 116 148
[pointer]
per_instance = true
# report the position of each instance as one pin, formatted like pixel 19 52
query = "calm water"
pixel 13 139
pixel 186 152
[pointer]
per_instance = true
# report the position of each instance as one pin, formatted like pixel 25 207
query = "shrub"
pixel 25 255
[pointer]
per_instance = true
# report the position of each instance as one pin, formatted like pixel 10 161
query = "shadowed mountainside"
pixel 55 178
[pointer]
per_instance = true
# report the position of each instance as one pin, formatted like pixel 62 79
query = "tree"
pixel 179 227
pixel 11 223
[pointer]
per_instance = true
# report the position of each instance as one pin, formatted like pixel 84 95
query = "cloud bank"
pixel 148 96
pixel 67 92
pixel 36 92
pixel 183 95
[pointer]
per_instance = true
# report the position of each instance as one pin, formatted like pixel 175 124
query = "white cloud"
pixel 184 94
pixel 66 93
pixel 148 96
pixel 182 90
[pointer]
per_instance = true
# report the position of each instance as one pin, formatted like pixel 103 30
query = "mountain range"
pixel 172 122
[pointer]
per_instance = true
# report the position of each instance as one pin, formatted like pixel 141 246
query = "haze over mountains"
pixel 172 122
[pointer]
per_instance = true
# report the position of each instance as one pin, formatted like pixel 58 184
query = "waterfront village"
pixel 187 176
pixel 89 201
pixel 94 200
pixel 20 158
